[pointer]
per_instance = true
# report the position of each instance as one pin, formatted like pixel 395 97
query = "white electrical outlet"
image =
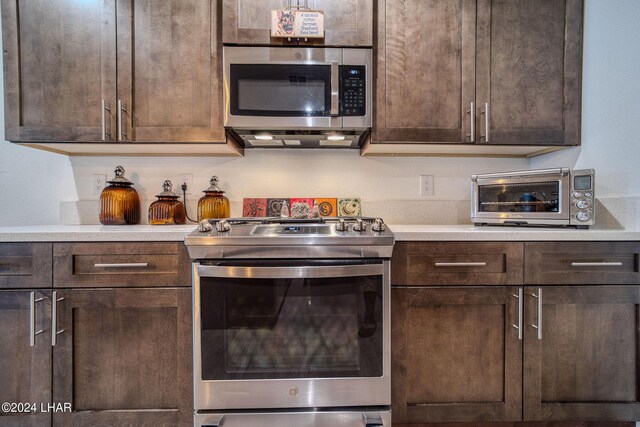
pixel 426 185
pixel 185 178
pixel 98 182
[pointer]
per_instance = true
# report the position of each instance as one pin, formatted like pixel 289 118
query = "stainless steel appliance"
pixel 547 197
pixel 298 97
pixel 291 322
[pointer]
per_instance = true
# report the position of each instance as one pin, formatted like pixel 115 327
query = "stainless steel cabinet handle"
pixel 120 110
pixel 520 311
pixel 105 107
pixel 597 264
pixel 32 319
pixel 290 272
pixel 472 114
pixel 334 88
pixel 539 325
pixel 123 265
pixel 486 113
pixel 54 318
pixel 460 264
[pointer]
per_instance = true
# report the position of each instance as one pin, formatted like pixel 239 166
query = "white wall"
pixel 32 182
pixel 611 100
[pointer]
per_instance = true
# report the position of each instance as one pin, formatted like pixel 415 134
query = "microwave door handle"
pixel 335 88
pixel 304 272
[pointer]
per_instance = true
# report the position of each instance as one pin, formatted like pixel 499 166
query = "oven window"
pixel 291 328
pixel 280 90
pixel 519 197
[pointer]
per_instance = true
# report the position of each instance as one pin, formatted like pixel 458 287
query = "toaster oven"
pixel 544 197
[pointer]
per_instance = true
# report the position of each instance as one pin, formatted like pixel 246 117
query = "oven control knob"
pixel 577 195
pixel 223 226
pixel 378 225
pixel 588 194
pixel 205 226
pixel 582 204
pixel 582 216
pixel 359 226
pixel 341 225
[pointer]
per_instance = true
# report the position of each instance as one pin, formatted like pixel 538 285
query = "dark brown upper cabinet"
pixel 346 23
pixel 425 70
pixel 59 67
pixel 112 71
pixel 479 72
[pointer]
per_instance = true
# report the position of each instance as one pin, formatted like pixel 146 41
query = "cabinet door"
pixel 456 356
pixel 124 357
pixel 25 370
pixel 169 71
pixel 346 23
pixel 583 365
pixel 529 60
pixel 425 70
pixel 59 65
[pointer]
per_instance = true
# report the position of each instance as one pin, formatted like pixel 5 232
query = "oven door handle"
pixel 306 272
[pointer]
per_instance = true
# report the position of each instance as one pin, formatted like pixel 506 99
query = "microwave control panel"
pixel 353 92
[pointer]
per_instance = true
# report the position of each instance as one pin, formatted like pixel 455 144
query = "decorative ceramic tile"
pixel 274 206
pixel 300 207
pixel 254 207
pixel 349 207
pixel 327 206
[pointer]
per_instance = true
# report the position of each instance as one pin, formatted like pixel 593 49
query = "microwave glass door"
pixel 519 197
pixel 281 90
pixel 291 327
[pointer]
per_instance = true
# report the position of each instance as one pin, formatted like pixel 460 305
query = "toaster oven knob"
pixel 359 226
pixel 588 194
pixel 582 216
pixel 582 204
pixel 378 226
pixel 577 195
pixel 341 225
pixel 223 226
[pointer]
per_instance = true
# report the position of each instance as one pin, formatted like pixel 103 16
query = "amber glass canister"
pixel 167 209
pixel 119 202
pixel 213 204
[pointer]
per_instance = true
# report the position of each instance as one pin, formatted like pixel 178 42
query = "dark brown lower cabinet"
pixel 585 363
pixel 25 370
pixel 123 357
pixel 456 356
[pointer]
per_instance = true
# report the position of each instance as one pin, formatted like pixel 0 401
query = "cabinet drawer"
pixel 25 265
pixel 457 263
pixel 582 263
pixel 120 265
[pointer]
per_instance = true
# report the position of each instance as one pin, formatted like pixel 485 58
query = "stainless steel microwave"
pixel 547 197
pixel 288 89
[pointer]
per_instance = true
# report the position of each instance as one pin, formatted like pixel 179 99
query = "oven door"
pixel 533 199
pixel 282 88
pixel 294 334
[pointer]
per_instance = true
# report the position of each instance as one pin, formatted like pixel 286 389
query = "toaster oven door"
pixel 535 199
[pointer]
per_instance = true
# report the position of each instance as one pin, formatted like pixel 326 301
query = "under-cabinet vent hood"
pixel 299 139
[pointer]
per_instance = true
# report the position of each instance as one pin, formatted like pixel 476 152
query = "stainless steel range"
pixel 291 322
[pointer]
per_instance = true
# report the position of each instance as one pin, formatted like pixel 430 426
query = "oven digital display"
pixel 582 182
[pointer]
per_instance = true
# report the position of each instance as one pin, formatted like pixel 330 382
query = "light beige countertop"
pixel 95 233
pixel 159 233
pixel 498 233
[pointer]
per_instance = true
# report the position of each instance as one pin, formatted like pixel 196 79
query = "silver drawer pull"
pixel 597 264
pixel 461 264
pixel 123 265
